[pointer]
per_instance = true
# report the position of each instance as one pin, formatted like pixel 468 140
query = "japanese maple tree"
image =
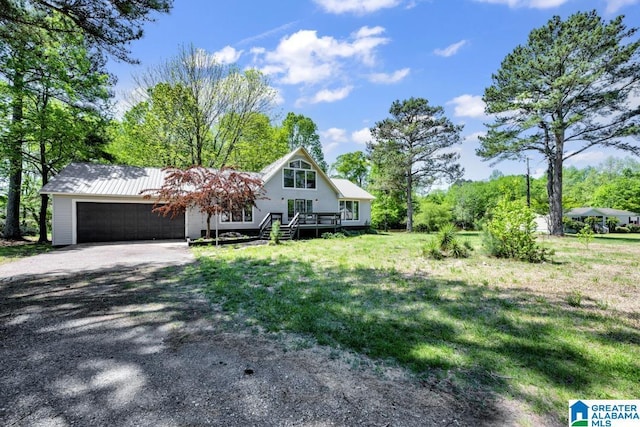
pixel 211 191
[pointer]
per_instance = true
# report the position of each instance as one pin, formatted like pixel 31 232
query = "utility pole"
pixel 528 185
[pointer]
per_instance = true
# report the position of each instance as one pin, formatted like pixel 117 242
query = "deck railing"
pixel 321 218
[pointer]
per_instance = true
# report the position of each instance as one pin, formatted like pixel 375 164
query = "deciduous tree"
pixel 567 90
pixel 352 166
pixel 212 192
pixel 301 131
pixel 205 105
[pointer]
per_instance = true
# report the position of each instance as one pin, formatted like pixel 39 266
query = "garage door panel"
pixel 107 222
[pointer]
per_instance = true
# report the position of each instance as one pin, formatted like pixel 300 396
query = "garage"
pixel 110 222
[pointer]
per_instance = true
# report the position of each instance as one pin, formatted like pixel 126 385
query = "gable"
pixel 275 169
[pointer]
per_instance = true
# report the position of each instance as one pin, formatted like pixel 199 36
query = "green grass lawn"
pixel 539 334
pixel 13 250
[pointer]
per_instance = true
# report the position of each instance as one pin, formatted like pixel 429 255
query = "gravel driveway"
pixel 115 335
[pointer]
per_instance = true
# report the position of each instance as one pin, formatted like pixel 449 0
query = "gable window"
pixel 299 174
pixel 349 210
pixel 241 215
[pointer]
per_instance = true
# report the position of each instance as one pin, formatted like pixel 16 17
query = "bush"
pixel 275 234
pixel 432 250
pixel 622 229
pixel 585 236
pixel 511 233
pixel 633 228
pixel 337 235
pixel 446 243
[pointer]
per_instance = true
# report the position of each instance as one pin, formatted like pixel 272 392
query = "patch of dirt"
pixel 135 346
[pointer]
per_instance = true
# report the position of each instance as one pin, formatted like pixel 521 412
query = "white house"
pixel 99 203
pixel 624 217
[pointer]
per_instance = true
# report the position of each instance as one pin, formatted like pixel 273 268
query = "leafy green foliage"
pixel 511 233
pixel 276 234
pixel 352 166
pixel 195 110
pixel 301 131
pixel 585 235
pixel 108 24
pixel 447 243
pixel 431 216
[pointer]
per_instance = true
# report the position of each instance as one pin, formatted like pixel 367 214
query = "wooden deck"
pixel 326 221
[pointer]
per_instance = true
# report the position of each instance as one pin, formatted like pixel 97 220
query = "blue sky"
pixel 343 62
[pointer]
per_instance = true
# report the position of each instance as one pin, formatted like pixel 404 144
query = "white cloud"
pixel 468 106
pixel 305 58
pixel 227 55
pixel 614 6
pixel 334 135
pixel 531 4
pixel 361 136
pixel 358 7
pixel 329 147
pixel 474 137
pixel 451 49
pixel 586 158
pixel 327 95
pixel 386 78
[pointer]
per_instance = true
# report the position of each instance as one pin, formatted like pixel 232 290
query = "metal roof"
pixel 130 181
pixel 349 190
pixel 599 212
pixel 104 180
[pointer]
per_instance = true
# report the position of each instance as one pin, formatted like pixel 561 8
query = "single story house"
pixel 100 203
pixel 624 217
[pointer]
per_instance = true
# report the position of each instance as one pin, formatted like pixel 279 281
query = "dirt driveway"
pixel 113 335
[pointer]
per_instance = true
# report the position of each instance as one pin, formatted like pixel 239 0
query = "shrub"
pixel 574 299
pixel 432 250
pixel 612 222
pixel 446 243
pixel 633 228
pixel 337 235
pixel 622 229
pixel 511 233
pixel 585 236
pixel 275 234
pixel 446 236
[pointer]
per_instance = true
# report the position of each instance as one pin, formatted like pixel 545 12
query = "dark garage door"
pixel 110 222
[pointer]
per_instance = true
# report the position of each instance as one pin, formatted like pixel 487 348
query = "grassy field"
pixel 538 334
pixel 10 250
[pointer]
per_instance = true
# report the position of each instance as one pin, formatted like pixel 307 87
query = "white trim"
pixel 74 212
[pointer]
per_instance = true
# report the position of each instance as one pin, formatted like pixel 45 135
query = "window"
pixel 299 175
pixel 299 205
pixel 349 210
pixel 242 215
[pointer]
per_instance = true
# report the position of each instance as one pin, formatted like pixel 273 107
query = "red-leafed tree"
pixel 212 192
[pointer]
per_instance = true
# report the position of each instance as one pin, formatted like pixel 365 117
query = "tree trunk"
pixel 42 220
pixel 554 186
pixel 12 223
pixel 409 202
pixel 208 235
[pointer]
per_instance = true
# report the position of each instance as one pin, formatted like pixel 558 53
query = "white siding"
pixel 324 199
pixel 61 224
